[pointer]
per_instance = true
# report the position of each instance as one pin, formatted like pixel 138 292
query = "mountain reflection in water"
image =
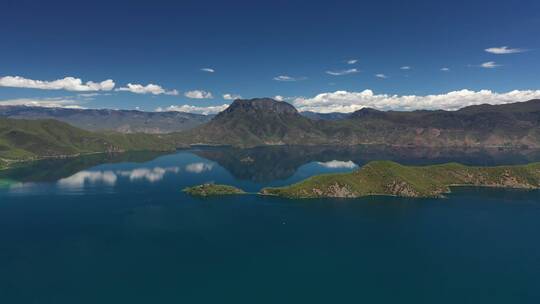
pixel 266 164
pixel 259 165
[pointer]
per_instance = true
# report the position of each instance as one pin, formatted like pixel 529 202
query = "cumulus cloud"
pixel 231 96
pixel 279 98
pixel 83 178
pixel 504 50
pixel 199 167
pixel 344 101
pixel 208 70
pixel 489 65
pixel 342 72
pixel 381 76
pixel 45 102
pixel 337 164
pixel 352 61
pixel 147 89
pixel 198 94
pixel 149 174
pixel 67 83
pixel 194 109
pixel 445 69
pixel 405 67
pixel 288 78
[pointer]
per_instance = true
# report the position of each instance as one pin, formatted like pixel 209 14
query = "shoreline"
pixel 9 162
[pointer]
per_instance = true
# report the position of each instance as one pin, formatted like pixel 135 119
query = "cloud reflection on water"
pixel 199 167
pixel 82 178
pixel 337 164
pixel 150 174
pixel 109 177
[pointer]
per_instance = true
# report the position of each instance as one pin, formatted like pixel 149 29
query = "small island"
pixel 205 190
pixel 393 179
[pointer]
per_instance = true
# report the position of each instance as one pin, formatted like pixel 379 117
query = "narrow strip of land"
pixel 390 178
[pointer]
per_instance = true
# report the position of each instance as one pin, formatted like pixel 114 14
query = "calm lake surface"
pixel 118 229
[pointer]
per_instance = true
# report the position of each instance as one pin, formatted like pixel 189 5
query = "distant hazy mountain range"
pixel 325 116
pixel 123 121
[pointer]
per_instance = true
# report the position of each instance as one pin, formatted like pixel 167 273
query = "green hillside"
pixel 390 178
pixel 32 139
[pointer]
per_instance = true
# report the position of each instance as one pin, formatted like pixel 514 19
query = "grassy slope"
pixel 390 178
pixel 212 190
pixel 29 139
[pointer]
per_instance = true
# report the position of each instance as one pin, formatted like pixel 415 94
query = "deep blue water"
pixel 119 230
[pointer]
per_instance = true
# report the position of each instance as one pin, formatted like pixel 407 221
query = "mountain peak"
pixel 367 112
pixel 261 105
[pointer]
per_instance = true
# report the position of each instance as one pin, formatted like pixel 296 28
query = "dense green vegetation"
pixel 390 178
pixel 22 140
pixel 212 190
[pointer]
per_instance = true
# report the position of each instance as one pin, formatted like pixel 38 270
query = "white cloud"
pixel 149 174
pixel 445 69
pixel 208 70
pixel 342 72
pixel 91 96
pixel 67 83
pixel 343 101
pixel 88 94
pixel 194 109
pixel 489 65
pixel 231 96
pixel 336 164
pixel 45 102
pixel 199 167
pixel 147 89
pixel 279 98
pixel 198 94
pixel 405 68
pixel 352 61
pixel 382 76
pixel 504 50
pixel 288 78
pixel 82 178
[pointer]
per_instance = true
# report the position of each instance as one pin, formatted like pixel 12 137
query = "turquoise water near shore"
pixel 123 232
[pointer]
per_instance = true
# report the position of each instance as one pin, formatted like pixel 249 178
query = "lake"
pixel 118 229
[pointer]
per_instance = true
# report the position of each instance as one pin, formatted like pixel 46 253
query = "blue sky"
pixel 250 44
